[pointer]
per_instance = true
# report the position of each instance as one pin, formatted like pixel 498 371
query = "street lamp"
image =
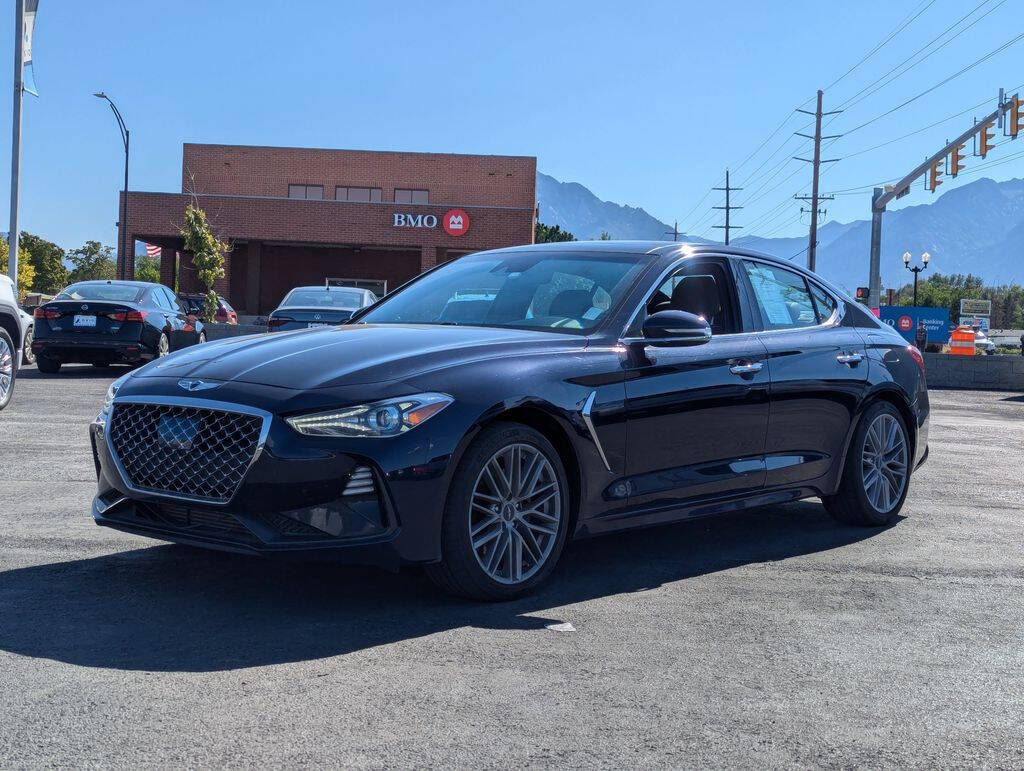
pixel 916 269
pixel 125 136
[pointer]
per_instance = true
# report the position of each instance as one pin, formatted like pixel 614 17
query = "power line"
pixel 893 72
pixel 903 25
pixel 943 82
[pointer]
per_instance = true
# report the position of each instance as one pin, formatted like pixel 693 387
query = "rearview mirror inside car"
pixel 676 328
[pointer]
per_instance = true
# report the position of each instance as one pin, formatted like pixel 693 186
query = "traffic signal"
pixel 985 140
pixel 862 294
pixel 933 175
pixel 956 160
pixel 1016 117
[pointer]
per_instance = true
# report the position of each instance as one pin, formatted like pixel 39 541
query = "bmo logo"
pixel 454 221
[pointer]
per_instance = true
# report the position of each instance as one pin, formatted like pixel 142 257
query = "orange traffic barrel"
pixel 962 341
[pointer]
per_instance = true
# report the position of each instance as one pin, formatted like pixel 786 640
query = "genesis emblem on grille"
pixel 196 385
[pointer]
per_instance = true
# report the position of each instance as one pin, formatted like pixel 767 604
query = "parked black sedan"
pixel 318 306
pixel 111 322
pixel 594 387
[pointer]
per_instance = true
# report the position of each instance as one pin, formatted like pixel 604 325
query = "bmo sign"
pixel 454 221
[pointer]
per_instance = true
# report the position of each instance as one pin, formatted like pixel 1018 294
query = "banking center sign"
pixel 904 319
pixel 454 221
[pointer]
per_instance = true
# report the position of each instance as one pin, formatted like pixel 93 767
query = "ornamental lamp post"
pixel 916 269
pixel 125 137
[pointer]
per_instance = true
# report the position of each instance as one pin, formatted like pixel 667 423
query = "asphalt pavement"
pixel 769 638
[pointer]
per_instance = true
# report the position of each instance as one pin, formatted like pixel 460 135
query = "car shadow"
pixel 74 372
pixel 173 608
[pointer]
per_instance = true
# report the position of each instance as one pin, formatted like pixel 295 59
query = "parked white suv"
pixel 11 338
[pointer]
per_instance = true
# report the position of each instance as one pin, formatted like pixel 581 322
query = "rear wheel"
pixel 506 517
pixel 8 372
pixel 27 354
pixel 163 346
pixel 877 471
pixel 48 366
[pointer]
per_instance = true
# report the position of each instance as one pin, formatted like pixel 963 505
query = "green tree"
pixel 605 236
pixel 48 260
pixel 147 269
pixel 92 262
pixel 26 271
pixel 207 254
pixel 546 234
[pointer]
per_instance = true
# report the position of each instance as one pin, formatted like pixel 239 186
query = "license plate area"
pixel 84 321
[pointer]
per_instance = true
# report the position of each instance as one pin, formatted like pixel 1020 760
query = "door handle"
pixel 748 368
pixel 850 359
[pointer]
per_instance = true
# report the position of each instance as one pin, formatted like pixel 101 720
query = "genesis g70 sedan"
pixel 505 402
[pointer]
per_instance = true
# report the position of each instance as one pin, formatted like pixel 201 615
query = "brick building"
pixel 298 216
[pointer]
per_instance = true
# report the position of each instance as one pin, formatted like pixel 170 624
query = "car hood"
pixel 350 354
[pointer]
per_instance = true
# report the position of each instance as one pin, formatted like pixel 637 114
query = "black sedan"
pixel 595 387
pixel 111 322
pixel 318 306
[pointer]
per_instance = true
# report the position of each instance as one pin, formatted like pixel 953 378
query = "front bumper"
pixel 293 501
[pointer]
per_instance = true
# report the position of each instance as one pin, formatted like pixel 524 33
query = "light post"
pixel 125 137
pixel 916 269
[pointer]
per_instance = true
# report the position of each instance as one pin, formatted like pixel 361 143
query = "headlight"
pixel 108 400
pixel 389 417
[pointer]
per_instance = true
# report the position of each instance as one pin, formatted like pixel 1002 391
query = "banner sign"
pixel 970 307
pixel 904 319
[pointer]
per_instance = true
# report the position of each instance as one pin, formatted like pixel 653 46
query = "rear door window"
pixel 782 296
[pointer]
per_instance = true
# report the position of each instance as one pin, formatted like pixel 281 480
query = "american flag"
pixel 152 251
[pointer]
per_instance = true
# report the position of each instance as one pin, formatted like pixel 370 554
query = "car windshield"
pixel 323 298
pixel 123 293
pixel 557 291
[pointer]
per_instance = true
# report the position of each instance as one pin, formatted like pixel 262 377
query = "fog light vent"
pixel 360 483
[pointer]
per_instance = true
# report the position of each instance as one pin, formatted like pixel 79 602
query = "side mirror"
pixel 668 328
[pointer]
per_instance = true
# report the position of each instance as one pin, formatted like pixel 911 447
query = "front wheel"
pixel 877 471
pixel 506 516
pixel 163 346
pixel 28 356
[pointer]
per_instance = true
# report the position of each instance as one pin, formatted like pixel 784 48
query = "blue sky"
pixel 645 103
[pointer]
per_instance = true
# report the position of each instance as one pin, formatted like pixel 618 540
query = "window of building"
pixel 309 192
pixel 360 194
pixel 411 196
pixel 782 296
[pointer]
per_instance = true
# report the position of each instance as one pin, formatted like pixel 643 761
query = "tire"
pixel 27 354
pixel 163 346
pixel 533 537
pixel 47 366
pixel 873 504
pixel 202 338
pixel 8 368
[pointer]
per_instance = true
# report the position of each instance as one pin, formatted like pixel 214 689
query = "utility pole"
pixel 932 166
pixel 19 88
pixel 816 162
pixel 674 232
pixel 728 208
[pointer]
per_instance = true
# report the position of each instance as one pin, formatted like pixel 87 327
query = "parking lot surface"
pixel 776 637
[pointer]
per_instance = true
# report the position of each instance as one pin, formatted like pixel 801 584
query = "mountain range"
pixel 976 228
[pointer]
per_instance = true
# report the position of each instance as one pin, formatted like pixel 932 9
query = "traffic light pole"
pixel 883 196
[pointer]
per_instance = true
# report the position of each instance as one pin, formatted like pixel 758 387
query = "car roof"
pixel 330 288
pixel 115 282
pixel 652 248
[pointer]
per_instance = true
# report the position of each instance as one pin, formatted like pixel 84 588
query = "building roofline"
pixel 348 150
pixel 332 201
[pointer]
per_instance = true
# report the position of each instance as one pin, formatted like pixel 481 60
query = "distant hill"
pixel 977 228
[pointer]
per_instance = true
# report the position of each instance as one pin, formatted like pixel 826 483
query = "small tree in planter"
pixel 207 254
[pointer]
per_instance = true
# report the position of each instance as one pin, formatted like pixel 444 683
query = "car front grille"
pixel 192 452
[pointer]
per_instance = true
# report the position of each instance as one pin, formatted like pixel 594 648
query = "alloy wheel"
pixel 163 346
pixel 884 462
pixel 515 513
pixel 27 355
pixel 6 370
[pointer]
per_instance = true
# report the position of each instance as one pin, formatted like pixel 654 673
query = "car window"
pixel 703 288
pixel 561 291
pixel 782 296
pixel 823 302
pixel 326 298
pixel 124 293
pixel 171 300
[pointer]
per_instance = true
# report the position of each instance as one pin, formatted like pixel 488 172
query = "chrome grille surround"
pixel 185 449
